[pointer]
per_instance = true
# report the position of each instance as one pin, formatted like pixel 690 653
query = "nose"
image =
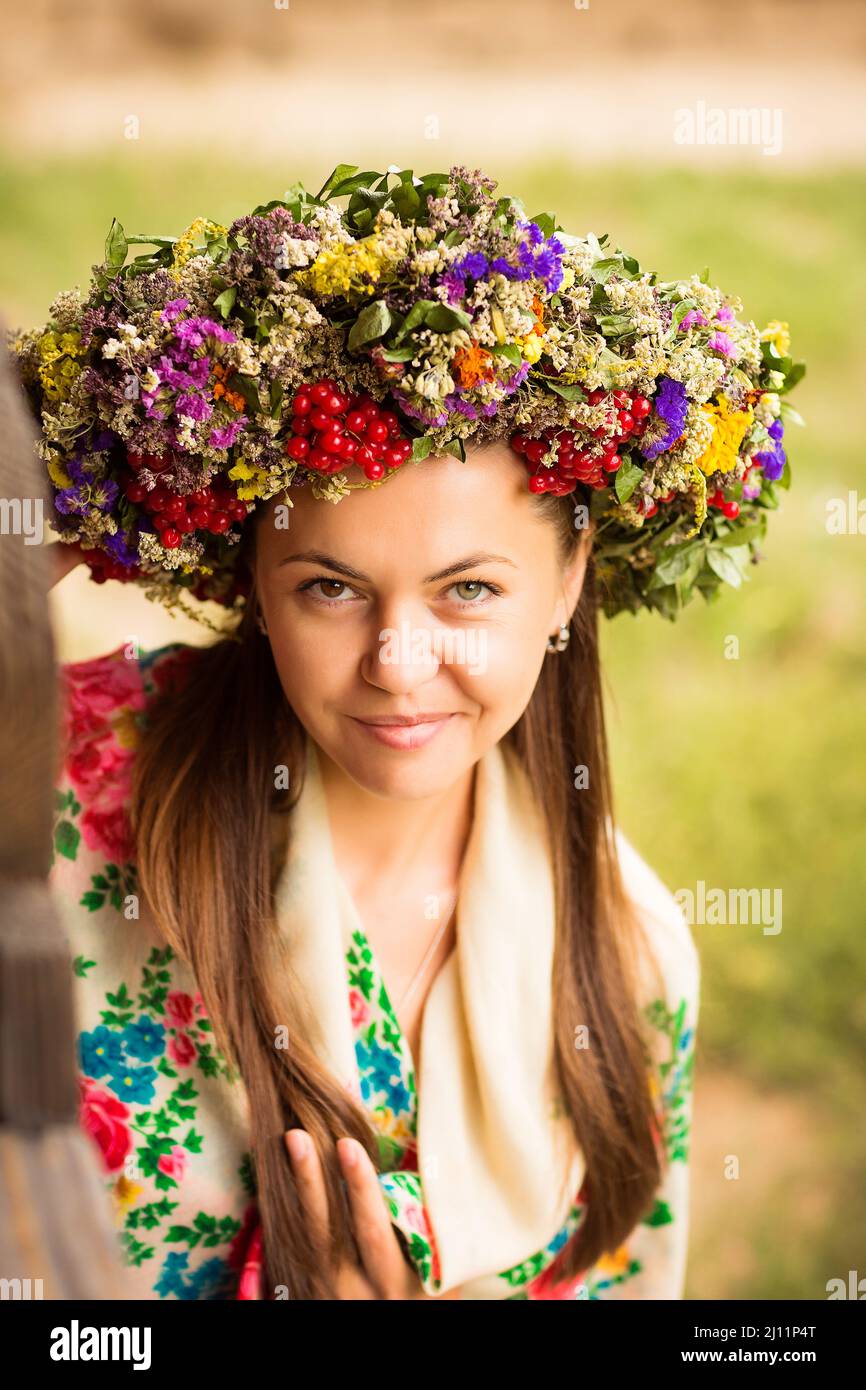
pixel 403 653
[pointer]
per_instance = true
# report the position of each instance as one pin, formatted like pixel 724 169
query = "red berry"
pixel 174 508
pixel 363 456
pixel 318 459
pixel 537 483
pixel 237 510
pixel 625 421
pixel 136 492
pixel 158 497
pixel 135 461
pixel 612 463
pixel 348 447
pixel 320 392
pixel 220 521
pixel 519 442
pixel 332 442
pixel 298 448
pixel 596 396
pixel 301 426
pixel 333 404
pixel 319 419
pixel 201 518
pixel 185 525
pixel 393 457
pixel 730 510
pixel 171 538
pixel 641 407
pixel 390 420
pixel 535 450
pixel 374 471
pixel 301 404
pixel 356 422
pixel 376 432
pixel 622 399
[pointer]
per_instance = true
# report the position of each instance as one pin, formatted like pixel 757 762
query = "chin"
pixel 403 774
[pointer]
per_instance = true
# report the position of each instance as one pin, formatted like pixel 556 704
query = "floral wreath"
pixel 230 364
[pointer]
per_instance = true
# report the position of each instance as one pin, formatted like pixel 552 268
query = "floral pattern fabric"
pixel 168 1115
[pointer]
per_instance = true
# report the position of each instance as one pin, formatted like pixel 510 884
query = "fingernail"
pixel 298 1146
pixel 349 1154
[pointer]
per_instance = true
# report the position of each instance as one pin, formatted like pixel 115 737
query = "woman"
pixel 376 1000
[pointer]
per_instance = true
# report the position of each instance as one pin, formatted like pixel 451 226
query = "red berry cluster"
pixel 103 566
pixel 212 508
pixel 331 430
pixel 729 509
pixel 575 464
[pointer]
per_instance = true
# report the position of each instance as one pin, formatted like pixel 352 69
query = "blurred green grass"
pixel 743 773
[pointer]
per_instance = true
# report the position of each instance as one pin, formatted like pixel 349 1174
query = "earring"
pixel 260 622
pixel 562 639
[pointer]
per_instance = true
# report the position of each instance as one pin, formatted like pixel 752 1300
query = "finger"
pixel 378 1246
pixel 310 1181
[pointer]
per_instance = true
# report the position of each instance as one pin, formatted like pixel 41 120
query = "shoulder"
pixel 666 929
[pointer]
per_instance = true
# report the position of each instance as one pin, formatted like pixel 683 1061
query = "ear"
pixel 573 576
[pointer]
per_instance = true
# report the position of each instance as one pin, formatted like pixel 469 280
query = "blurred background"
pixel 741 773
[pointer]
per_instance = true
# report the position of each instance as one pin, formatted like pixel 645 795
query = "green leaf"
pixel 422 446
pixel 247 386
pixel 404 354
pixel 796 373
pixel 546 221
pixel 568 393
pixel 725 566
pixel 66 839
pixel 442 318
pixel 373 322
pixel 225 302
pixel 510 351
pixel 455 447
pixel 116 246
pixel 342 171
pixel 628 476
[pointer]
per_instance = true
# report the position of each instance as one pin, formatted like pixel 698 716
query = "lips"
pixel 417 733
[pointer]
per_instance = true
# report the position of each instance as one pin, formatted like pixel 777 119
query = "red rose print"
pixel 102 1116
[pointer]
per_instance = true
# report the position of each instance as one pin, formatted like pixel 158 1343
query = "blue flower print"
pixel 135 1085
pixel 100 1052
pixel 145 1039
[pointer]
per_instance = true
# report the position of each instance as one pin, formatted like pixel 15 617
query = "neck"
pixel 381 841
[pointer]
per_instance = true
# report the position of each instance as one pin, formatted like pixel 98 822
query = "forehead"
pixel 438 507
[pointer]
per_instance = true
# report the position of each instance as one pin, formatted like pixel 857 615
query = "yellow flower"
pixel 729 429
pixel 184 247
pixel 256 479
pixel 778 334
pixel 58 475
pixel 126 1194
pixel 567 278
pixel 351 267
pixel 531 347
pixel 616 1263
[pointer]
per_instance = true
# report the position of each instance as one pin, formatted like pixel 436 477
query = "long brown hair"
pixel 211 835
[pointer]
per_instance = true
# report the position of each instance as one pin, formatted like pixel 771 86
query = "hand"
pixel 385 1273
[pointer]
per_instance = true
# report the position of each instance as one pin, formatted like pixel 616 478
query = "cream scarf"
pixel 499 1169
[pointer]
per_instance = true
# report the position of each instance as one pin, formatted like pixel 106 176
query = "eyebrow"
pixel 318 557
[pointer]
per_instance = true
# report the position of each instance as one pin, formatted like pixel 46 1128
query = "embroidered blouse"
pixel 168 1115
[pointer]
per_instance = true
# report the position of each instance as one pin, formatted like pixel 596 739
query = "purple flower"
pixel 694 316
pixel 720 342
pixel 455 402
pixel 193 332
pixel 173 309
pixel 409 409
pixel 776 430
pixel 535 234
pixel 475 264
pixel 773 462
pixel 668 421
pixel 117 547
pixel 725 314
pixel 194 407
pixel 224 436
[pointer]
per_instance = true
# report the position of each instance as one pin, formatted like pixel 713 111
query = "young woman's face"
pixel 432 594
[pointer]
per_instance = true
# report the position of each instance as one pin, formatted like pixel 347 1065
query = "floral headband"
pixel 230 364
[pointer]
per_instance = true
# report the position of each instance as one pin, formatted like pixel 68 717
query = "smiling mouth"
pixel 417 732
